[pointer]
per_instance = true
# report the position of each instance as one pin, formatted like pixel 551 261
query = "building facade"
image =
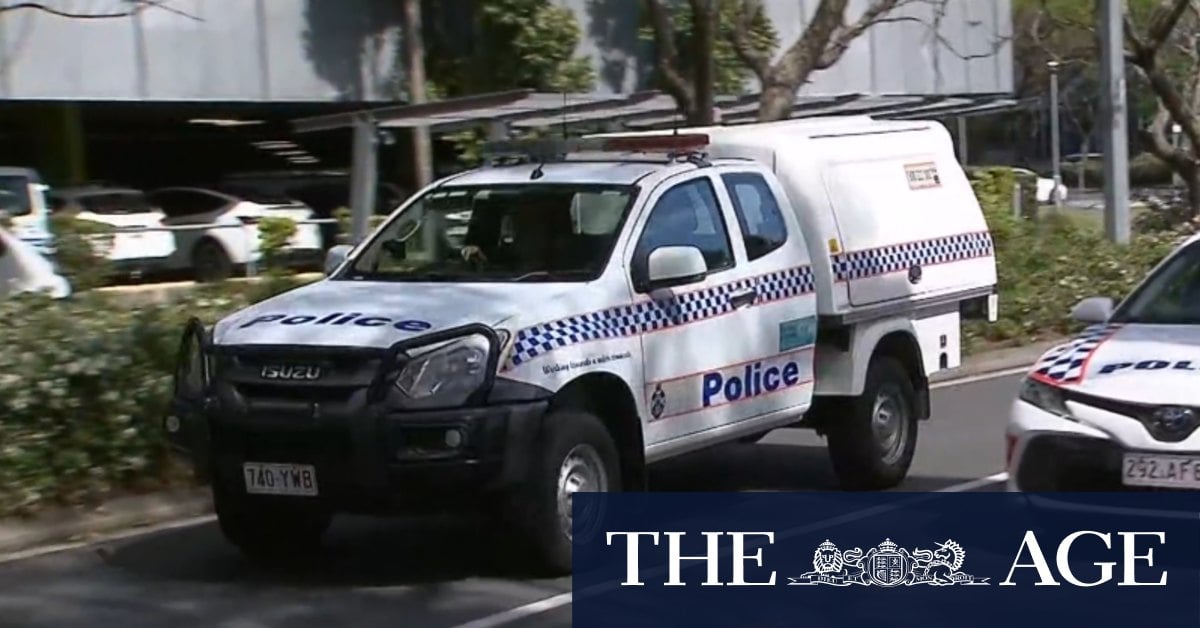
pixel 349 50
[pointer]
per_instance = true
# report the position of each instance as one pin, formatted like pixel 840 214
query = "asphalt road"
pixel 436 574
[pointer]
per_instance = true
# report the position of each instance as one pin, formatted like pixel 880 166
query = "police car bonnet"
pixel 1138 363
pixel 369 314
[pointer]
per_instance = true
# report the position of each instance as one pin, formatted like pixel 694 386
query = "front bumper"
pixel 371 450
pixel 375 461
pixel 1047 453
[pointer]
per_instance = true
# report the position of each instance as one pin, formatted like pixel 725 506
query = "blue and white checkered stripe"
pixel 1065 363
pixel 900 257
pixel 649 316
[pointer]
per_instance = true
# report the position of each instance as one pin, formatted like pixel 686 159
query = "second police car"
pixel 554 323
pixel 1117 407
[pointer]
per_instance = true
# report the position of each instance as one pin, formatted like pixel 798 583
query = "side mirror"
pixel 670 266
pixel 336 256
pixel 1093 310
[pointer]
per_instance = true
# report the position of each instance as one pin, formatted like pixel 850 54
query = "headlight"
pixel 448 375
pixel 1044 396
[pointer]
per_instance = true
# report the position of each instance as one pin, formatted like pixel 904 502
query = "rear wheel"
pixel 269 529
pixel 873 437
pixel 210 262
pixel 578 455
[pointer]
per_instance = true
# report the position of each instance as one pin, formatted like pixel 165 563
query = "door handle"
pixel 742 299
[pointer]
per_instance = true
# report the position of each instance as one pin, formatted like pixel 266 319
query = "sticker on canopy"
pixel 1066 363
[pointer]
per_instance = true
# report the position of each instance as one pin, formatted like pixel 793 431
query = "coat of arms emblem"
pixel 888 565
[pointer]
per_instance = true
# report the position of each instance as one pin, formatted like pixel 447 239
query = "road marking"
pixel 974 484
pixel 563 599
pixel 971 379
pixel 520 612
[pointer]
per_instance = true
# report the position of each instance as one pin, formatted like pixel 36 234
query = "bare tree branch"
pixel 667 56
pixel 138 6
pixel 743 47
pixel 1155 136
pixel 845 35
pixel 1163 21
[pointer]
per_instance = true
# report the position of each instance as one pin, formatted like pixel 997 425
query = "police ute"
pixel 576 309
pixel 1116 408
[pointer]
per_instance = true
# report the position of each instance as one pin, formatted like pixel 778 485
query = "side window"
pixel 687 215
pixel 763 228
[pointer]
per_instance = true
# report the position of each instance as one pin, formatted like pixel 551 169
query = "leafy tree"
pixel 514 44
pixel 1162 46
pixel 1063 31
pixel 710 67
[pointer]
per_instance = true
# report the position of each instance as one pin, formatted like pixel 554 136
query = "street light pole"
pixel 1111 26
pixel 1055 149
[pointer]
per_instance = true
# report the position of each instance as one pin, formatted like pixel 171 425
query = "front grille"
pixel 295 446
pixel 295 393
pixel 342 374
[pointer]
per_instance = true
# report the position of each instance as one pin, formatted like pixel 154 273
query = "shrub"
pixel 80 251
pixel 1144 170
pixel 1047 265
pixel 274 233
pixel 84 385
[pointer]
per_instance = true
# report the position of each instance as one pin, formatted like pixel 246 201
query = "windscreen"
pixel 14 195
pixel 541 232
pixel 1171 296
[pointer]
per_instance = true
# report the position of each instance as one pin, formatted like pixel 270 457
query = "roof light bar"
pixel 670 146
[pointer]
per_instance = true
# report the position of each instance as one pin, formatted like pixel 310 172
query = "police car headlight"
pixel 448 374
pixel 1044 396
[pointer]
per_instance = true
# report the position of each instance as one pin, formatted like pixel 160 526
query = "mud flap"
pixel 186 424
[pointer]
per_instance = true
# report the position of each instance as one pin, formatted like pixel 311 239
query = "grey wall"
pixel 314 50
pixel 893 58
pixel 328 50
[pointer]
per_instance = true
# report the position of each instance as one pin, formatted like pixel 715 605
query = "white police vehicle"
pixel 612 302
pixel 1117 408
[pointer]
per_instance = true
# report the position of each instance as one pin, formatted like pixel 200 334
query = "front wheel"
pixel 577 455
pixel 265 529
pixel 873 437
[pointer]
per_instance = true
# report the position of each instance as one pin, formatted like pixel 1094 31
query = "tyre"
pixel 576 454
pixel 210 262
pixel 266 529
pixel 873 437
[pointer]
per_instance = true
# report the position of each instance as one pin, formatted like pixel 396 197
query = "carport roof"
pixel 527 109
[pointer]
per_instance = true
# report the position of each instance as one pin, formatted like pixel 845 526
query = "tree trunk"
pixel 1086 147
pixel 414 49
pixel 1192 180
pixel 775 102
pixel 704 36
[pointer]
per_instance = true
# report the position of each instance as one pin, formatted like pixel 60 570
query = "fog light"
pixel 453 438
pixel 172 424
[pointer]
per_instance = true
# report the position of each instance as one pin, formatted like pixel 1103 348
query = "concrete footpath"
pixel 69 526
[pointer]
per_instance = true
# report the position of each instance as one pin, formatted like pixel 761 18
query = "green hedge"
pixel 1046 265
pixel 1144 170
pixel 84 385
pixel 84 382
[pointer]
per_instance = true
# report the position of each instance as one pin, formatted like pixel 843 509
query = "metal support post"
pixel 1116 153
pixel 363 178
pixel 1055 135
pixel 962 140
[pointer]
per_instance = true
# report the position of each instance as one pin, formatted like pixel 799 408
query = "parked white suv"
pixel 216 231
